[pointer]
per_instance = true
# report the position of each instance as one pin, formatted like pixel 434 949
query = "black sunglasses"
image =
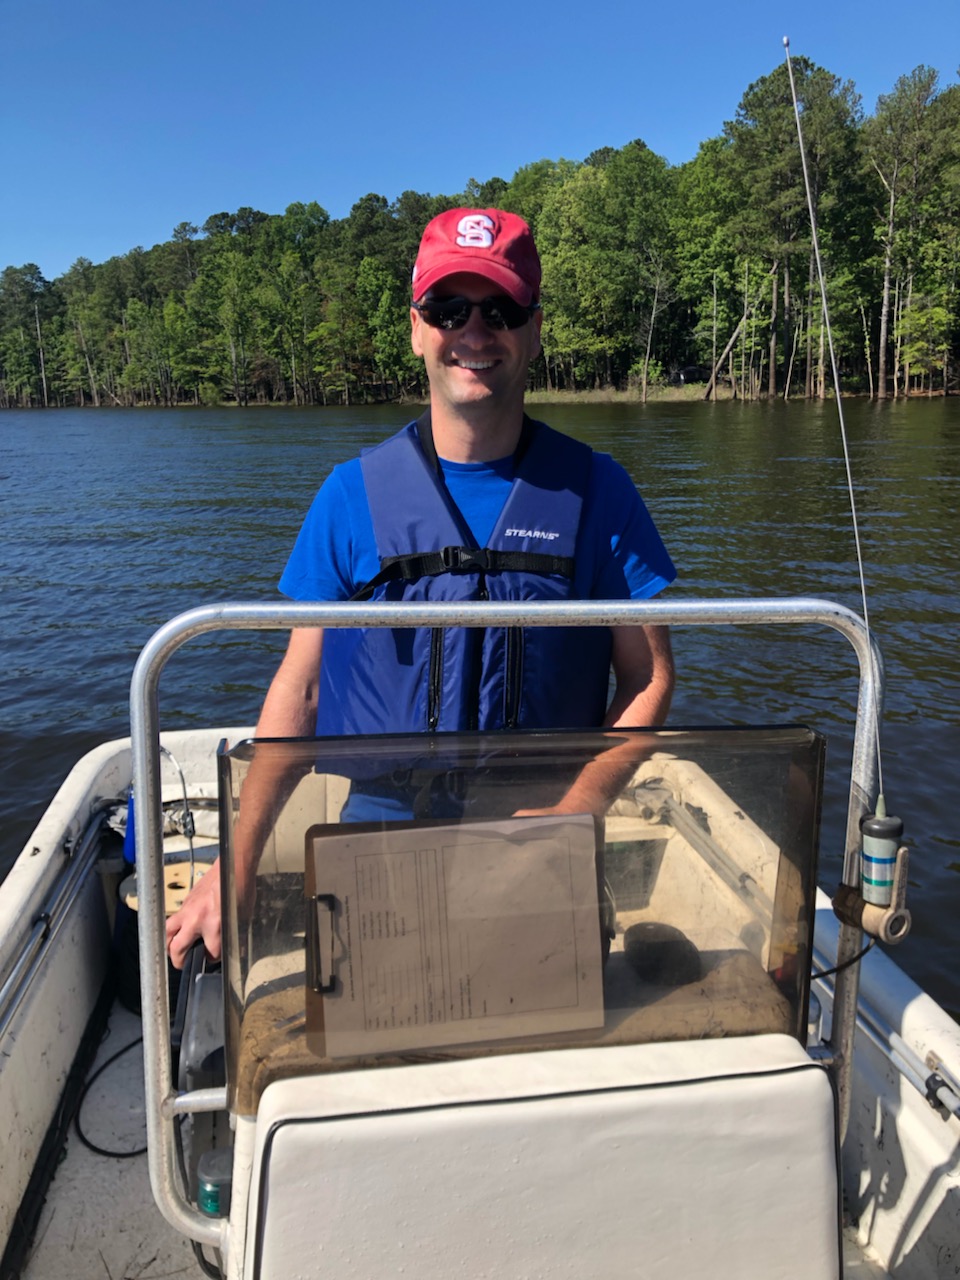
pixel 499 312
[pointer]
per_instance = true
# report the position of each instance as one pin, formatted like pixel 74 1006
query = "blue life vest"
pixel 378 680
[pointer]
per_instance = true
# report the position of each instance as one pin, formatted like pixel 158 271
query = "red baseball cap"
pixel 486 242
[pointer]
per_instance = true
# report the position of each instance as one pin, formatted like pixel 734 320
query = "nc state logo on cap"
pixel 476 231
pixel 485 242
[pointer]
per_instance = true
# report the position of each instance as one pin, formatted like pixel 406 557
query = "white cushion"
pixel 714 1158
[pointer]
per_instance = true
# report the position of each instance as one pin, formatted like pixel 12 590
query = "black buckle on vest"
pixel 463 558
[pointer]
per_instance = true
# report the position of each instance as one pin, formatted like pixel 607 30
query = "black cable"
pixel 837 968
pixel 92 1146
pixel 207 1267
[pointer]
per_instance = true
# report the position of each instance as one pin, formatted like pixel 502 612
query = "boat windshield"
pixel 401 898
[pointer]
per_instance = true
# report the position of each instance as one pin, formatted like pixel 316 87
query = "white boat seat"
pixel 715 1158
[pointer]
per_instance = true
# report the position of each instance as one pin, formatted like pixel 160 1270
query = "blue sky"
pixel 118 119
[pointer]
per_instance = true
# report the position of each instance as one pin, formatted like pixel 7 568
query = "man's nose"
pixel 476 330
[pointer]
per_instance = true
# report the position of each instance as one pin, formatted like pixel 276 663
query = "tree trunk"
pixel 646 354
pixel 787 344
pixel 233 367
pixel 714 351
pixel 126 339
pixel 43 367
pixel 748 312
pixel 906 363
pixel 91 377
pixel 822 363
pixel 772 356
pixel 744 371
pixel 811 304
pixel 885 304
pixel 793 356
pixel 866 348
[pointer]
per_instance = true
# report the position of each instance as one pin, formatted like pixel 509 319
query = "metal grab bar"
pixel 161 1098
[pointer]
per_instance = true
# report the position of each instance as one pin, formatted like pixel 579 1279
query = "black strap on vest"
pixel 430 564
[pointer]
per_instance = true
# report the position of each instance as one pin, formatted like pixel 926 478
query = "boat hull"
pixel 899 1160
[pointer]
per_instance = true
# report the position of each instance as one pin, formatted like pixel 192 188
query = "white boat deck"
pixel 856 1266
pixel 100 1221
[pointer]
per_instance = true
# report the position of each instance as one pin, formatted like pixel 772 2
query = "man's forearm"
pixel 289 711
pixel 643 666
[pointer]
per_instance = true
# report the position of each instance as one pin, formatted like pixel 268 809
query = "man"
pixel 474 501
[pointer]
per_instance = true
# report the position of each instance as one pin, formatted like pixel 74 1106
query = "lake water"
pixel 114 521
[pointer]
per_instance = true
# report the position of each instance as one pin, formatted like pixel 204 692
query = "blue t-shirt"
pixel 620 555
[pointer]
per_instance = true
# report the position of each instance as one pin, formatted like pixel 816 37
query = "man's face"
pixel 475 365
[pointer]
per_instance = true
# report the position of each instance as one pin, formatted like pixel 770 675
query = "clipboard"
pixel 422 935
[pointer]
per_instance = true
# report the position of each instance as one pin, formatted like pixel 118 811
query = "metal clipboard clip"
pixel 321 936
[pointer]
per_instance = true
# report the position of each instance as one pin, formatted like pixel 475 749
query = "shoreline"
pixel 691 393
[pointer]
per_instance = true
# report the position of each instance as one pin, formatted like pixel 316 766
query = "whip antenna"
pixel 836 379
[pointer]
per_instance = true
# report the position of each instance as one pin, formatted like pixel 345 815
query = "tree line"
pixel 651 272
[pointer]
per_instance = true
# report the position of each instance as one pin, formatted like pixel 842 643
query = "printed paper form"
pixel 447 935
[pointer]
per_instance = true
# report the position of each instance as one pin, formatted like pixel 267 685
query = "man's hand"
pixel 198 918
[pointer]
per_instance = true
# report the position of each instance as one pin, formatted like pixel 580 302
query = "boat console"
pixel 468 1029
pixel 513 1004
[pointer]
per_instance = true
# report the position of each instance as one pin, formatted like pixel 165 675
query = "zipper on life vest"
pixel 513 677
pixel 474 649
pixel 435 683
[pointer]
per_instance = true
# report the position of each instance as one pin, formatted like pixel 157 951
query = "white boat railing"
pixel 162 1100
pixel 47 923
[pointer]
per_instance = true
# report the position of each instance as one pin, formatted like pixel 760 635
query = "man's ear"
pixel 536 343
pixel 416 325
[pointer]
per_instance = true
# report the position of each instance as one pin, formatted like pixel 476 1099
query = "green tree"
pixel 183 345
pixel 484 195
pixel 86 330
pixel 770 218
pixel 147 375
pixel 924 330
pixel 26 306
pixel 384 301
pixel 527 190
pixel 897 148
pixel 577 334
pixel 341 346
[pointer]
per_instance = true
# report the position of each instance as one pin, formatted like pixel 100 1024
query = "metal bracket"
pixel 940 1095
pixel 943 1088
pixel 890 924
